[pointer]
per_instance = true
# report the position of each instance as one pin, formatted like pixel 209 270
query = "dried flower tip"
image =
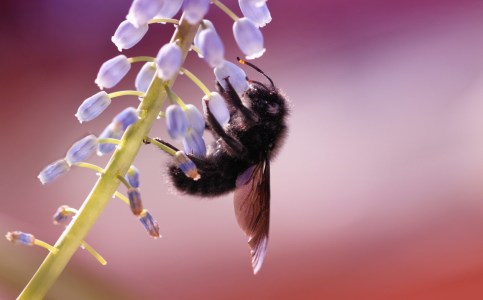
pixel 176 122
pixel 145 76
pixel 258 13
pixel 150 224
pixel 194 144
pixel 186 165
pixel 93 106
pixel 63 214
pixel 127 35
pixel 112 71
pixel 170 9
pixel 249 38
pixel 53 171
pixel 112 131
pixel 135 201
pixel 236 76
pixel 211 47
pixel 82 150
pixel 132 176
pixel 20 238
pixel 126 118
pixel 195 10
pixel 218 107
pixel 141 11
pixel 168 61
pixel 195 118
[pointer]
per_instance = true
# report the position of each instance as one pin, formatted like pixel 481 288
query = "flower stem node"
pixel 195 10
pixel 218 107
pixel 132 176
pixel 176 122
pixel 135 201
pixel 168 61
pixel 112 71
pixel 112 131
pixel 141 11
pixel 257 12
pixel 186 165
pixel 149 223
pixel 170 9
pixel 211 47
pixel 249 38
pixel 54 171
pixel 82 150
pixel 63 214
pixel 93 106
pixel 145 76
pixel 194 144
pixel 236 76
pixel 127 35
pixel 126 118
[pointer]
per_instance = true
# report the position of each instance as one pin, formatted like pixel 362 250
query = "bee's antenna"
pixel 256 69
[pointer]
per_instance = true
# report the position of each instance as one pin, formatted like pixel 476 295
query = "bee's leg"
pixel 233 100
pixel 235 146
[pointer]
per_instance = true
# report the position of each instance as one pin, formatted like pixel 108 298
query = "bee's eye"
pixel 273 108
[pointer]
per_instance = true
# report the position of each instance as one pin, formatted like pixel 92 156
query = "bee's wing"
pixel 252 209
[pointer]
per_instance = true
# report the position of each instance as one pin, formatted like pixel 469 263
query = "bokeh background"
pixel 377 194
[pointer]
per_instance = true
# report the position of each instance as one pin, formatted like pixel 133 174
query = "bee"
pixel 239 159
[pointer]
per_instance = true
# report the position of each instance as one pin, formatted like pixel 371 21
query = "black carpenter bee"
pixel 240 158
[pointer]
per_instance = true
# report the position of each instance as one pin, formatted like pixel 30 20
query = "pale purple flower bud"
pixel 92 107
pixel 141 11
pixel 82 149
pixel 170 9
pixel 54 171
pixel 63 214
pixel 168 61
pixel 176 122
pixel 195 118
pixel 150 224
pixel 186 165
pixel 194 144
pixel 249 38
pixel 236 76
pixel 257 2
pixel 195 10
pixel 112 131
pixel 112 71
pixel 135 201
pixel 218 107
pixel 132 176
pixel 20 238
pixel 127 35
pixel 258 13
pixel 126 117
pixel 206 24
pixel 145 76
pixel 211 47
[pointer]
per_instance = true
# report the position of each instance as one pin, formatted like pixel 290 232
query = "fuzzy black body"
pixel 253 135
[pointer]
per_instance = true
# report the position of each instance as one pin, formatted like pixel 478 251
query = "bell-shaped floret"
pixel 82 149
pixel 145 76
pixel 141 11
pixel 258 13
pixel 112 71
pixel 236 76
pixel 195 10
pixel 168 61
pixel 194 144
pixel 127 35
pixel 93 106
pixel 54 171
pixel 249 38
pixel 218 108
pixel 176 122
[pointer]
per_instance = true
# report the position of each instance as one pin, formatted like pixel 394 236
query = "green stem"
pixel 172 21
pixel 141 59
pixel 196 81
pixel 174 98
pixel 125 93
pixel 107 184
pixel 226 10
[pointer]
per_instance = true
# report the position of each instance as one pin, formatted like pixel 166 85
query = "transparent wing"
pixel 252 209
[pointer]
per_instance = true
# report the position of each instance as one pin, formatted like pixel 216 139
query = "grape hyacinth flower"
pixel 126 118
pixel 168 61
pixel 93 106
pixel 249 38
pixel 194 144
pixel 54 171
pixel 186 165
pixel 195 118
pixel 236 76
pixel 149 223
pixel 141 11
pixel 218 107
pixel 195 10
pixel 82 149
pixel 112 131
pixel 135 201
pixel 145 76
pixel 127 35
pixel 169 9
pixel 62 214
pixel 132 176
pixel 211 47
pixel 176 122
pixel 112 71
pixel 257 12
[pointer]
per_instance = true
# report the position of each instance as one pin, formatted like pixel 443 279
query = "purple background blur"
pixel 377 193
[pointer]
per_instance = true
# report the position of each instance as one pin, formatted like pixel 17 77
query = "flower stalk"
pixel 108 182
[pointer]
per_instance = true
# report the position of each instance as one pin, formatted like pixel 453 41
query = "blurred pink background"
pixel 377 193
